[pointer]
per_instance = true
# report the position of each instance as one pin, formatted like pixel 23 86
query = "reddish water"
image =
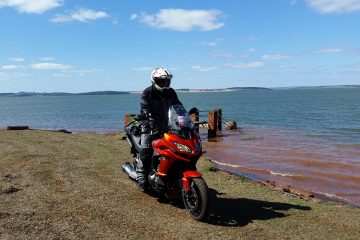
pixel 291 158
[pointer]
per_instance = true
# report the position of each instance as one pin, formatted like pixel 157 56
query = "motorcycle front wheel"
pixel 196 200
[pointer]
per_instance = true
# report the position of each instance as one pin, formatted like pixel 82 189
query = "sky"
pixel 79 46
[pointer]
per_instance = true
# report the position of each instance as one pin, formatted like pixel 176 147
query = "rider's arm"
pixel 145 108
pixel 175 98
pixel 145 103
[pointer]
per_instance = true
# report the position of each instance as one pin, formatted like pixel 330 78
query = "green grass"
pixel 71 187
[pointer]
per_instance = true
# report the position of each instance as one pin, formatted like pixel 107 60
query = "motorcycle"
pixel 173 172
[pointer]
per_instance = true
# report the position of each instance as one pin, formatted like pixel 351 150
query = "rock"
pixel 230 125
pixel 9 177
pixel 286 189
pixel 11 189
pixel 64 131
pixel 4 215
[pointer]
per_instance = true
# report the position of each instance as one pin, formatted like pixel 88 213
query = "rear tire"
pixel 196 200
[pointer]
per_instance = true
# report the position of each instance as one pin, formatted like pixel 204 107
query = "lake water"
pixel 308 138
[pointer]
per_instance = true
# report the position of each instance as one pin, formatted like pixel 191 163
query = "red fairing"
pixel 187 175
pixel 186 184
pixel 169 153
pixel 191 174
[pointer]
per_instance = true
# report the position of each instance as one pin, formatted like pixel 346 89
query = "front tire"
pixel 196 200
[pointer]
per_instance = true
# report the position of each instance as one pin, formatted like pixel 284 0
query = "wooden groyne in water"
pixel 214 123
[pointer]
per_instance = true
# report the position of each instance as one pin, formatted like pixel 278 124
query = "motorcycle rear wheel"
pixel 196 200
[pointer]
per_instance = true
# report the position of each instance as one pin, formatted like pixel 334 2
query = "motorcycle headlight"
pixel 181 147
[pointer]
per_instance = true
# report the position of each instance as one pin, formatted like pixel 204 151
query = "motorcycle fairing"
pixel 188 175
pixel 169 153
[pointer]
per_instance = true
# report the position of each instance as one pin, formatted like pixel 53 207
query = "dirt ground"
pixel 70 186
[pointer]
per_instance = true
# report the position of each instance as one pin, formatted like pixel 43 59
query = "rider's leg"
pixel 145 158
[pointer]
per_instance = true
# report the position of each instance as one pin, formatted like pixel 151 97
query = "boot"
pixel 144 159
pixel 141 182
pixel 140 179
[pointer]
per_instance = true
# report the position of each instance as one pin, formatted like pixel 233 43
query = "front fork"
pixel 187 175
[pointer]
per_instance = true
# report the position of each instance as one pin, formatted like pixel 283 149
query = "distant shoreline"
pixel 182 90
pixel 31 94
pixel 34 94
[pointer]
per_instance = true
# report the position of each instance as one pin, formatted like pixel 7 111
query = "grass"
pixel 69 186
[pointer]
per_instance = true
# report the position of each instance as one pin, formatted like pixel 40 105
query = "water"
pixel 289 157
pixel 74 113
pixel 308 138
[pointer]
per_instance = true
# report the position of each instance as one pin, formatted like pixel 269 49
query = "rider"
pixel 155 103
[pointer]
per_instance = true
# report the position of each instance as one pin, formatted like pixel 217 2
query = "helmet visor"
pixel 163 82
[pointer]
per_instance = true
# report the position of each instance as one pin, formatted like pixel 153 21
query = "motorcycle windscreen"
pixel 179 119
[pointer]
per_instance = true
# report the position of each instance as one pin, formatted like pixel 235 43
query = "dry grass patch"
pixel 69 186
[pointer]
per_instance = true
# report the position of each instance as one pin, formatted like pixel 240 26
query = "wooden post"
pixel 213 123
pixel 219 123
pixel 18 128
pixel 195 119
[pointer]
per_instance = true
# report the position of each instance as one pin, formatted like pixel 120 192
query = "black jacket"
pixel 157 104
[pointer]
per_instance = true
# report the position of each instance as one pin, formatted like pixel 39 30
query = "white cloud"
pixel 209 44
pixel 17 59
pixel 50 66
pixel 11 67
pixel 60 75
pixel 115 21
pixel 334 6
pixel 329 50
pixel 248 52
pixel 204 69
pixel 274 57
pixel 31 6
pixel 82 15
pixel 225 55
pixel 248 65
pixel 133 17
pixel 11 75
pixel 81 72
pixel 182 20
pixel 213 43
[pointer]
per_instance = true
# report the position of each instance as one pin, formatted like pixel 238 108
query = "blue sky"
pixel 78 46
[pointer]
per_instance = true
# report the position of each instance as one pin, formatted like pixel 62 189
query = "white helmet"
pixel 161 78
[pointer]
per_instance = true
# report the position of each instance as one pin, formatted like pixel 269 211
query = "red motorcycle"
pixel 173 173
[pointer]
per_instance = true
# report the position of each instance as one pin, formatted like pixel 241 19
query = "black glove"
pixel 140 117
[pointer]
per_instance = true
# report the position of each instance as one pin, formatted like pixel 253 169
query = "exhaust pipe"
pixel 129 170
